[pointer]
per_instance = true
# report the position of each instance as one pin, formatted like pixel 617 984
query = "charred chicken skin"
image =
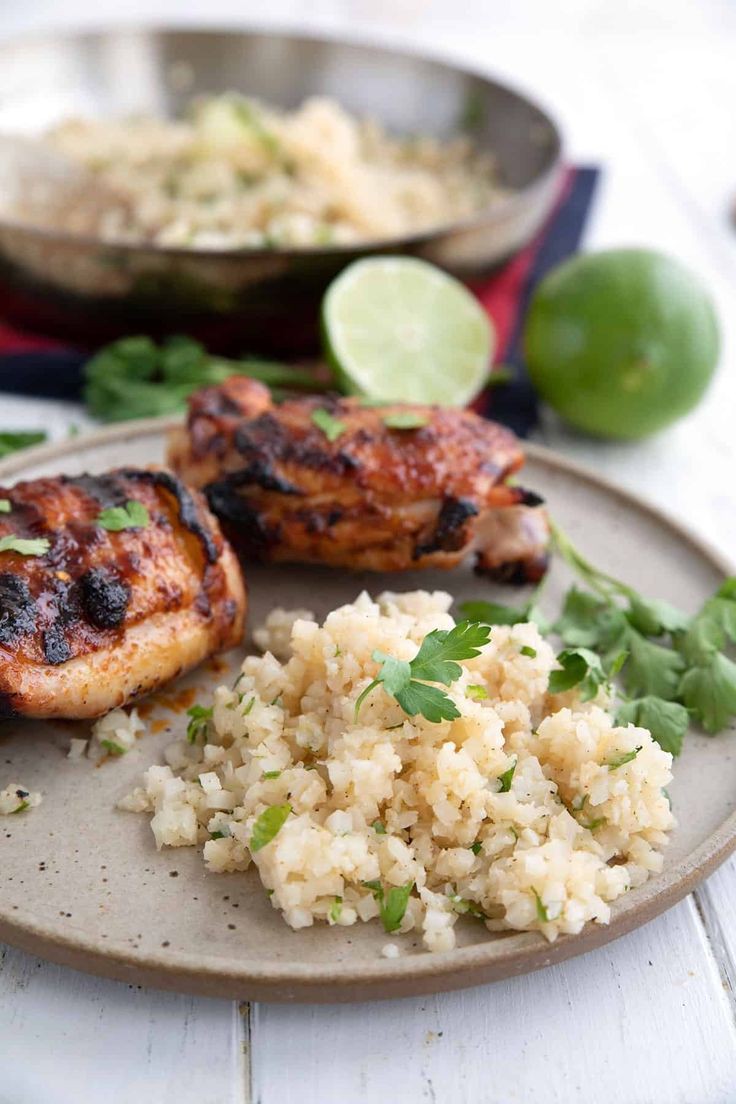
pixel 103 616
pixel 335 481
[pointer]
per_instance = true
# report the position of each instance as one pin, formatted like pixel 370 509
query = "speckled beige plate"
pixel 82 883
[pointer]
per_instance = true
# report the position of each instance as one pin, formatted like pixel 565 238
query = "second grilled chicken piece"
pixel 92 615
pixel 338 482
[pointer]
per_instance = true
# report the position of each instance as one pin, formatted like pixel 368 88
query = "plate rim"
pixel 462 967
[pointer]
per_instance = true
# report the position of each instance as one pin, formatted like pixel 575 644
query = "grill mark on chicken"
pixel 449 533
pixel 242 521
pixel 106 490
pixel 376 498
pixel 104 598
pixel 17 609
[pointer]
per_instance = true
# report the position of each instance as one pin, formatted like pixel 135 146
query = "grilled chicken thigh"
pixel 336 481
pixel 101 615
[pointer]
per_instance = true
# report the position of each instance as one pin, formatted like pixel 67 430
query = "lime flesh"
pixel 399 329
pixel 621 343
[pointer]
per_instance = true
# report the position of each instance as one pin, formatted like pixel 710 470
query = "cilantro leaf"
pixel 667 721
pixel 405 419
pixel 494 613
pixel 331 427
pixel 653 617
pixel 268 775
pixel 462 906
pixel 268 825
pixel 651 668
pixel 476 847
pixel 476 692
pixel 24 547
pixel 12 441
pixel 709 691
pixel 542 914
pixel 621 760
pixel 579 624
pixel 5 506
pixel 507 778
pixel 393 906
pixel 336 910
pixel 112 747
pixel 200 717
pixel 580 667
pixel 430 701
pixel 135 378
pixel 435 660
pixel 394 673
pixel 525 650
pixel 133 515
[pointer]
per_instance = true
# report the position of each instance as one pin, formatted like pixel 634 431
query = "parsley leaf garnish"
pixel 525 650
pixel 379 828
pixel 436 661
pixel 133 515
pixel 200 717
pixel 5 506
pixel 268 825
pixel 331 427
pixel 475 847
pixel 24 547
pixel 405 419
pixel 271 774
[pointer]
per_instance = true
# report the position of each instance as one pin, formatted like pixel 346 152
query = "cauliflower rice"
pixel 529 811
pixel 240 174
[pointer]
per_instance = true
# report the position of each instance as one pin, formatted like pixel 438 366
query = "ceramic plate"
pixel 81 883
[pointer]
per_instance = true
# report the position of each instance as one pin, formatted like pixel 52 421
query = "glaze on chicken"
pixel 374 498
pixel 103 616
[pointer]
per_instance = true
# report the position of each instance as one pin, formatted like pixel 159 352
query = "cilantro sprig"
pixel 675 667
pixel 671 668
pixel 436 661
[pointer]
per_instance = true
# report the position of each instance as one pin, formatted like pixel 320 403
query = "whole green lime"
pixel 621 343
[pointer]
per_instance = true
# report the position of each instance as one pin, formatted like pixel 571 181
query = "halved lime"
pixel 399 329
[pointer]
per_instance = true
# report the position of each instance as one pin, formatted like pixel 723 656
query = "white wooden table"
pixel 649 90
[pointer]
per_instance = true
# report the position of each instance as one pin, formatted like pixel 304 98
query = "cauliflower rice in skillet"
pixel 239 174
pixel 529 811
